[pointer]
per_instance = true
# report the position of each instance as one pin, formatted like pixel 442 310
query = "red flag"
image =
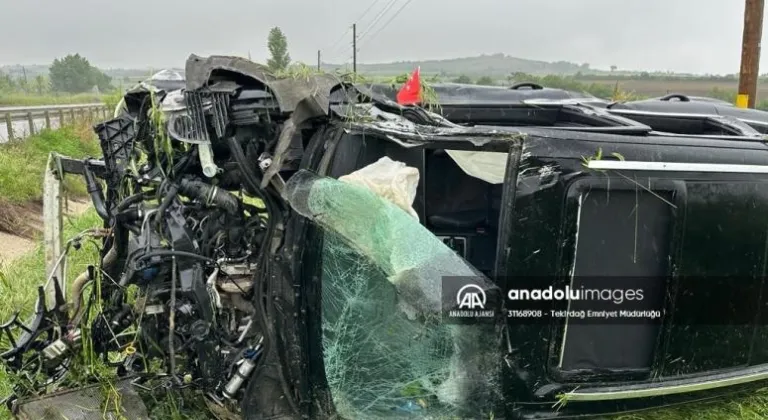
pixel 410 93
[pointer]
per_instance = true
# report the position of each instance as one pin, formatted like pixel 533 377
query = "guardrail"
pixel 20 122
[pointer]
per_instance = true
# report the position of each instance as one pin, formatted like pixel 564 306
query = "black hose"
pixel 128 216
pixel 208 193
pixel 133 199
pixel 169 196
pixel 95 191
pixel 182 254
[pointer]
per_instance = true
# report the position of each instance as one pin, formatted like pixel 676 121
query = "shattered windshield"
pixel 387 349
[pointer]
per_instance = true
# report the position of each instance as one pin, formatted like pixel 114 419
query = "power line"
pixel 375 20
pixel 334 47
pixel 367 10
pixel 378 17
pixel 389 21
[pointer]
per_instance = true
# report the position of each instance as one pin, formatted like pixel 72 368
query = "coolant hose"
pixel 210 195
pixel 133 199
pixel 94 190
pixel 83 278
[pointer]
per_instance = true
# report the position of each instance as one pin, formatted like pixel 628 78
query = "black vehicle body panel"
pixel 755 118
pixel 547 107
pixel 541 244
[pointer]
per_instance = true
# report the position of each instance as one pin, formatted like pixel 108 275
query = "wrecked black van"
pixel 303 247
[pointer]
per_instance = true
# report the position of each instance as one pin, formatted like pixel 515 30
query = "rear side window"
pixel 623 242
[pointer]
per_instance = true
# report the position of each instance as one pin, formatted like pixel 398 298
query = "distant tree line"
pixel 71 74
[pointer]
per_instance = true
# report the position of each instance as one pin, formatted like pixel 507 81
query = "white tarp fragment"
pixel 488 166
pixel 389 179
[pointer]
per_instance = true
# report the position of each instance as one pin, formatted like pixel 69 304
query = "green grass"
pixel 21 99
pixel 22 163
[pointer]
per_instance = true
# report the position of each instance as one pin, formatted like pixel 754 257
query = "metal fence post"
pixel 31 122
pixel 9 126
pixel 61 117
pixel 53 242
pixel 47 119
pixel 72 114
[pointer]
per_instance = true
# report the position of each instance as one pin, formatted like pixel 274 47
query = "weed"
pixel 22 163
pixel 299 71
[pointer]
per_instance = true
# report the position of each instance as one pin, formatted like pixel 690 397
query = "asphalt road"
pixel 4 109
pixel 21 128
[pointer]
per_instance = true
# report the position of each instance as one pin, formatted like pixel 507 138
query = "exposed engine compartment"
pixel 188 220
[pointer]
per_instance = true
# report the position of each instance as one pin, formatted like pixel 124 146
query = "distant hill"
pixel 494 65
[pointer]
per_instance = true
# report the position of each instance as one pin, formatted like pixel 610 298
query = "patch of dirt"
pixel 21 226
pixel 14 246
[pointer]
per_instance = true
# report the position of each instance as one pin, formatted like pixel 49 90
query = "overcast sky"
pixel 701 36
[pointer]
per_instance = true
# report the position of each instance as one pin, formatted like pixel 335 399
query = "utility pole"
pixel 750 53
pixel 318 60
pixel 354 48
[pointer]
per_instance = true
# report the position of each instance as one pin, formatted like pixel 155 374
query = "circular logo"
pixel 471 296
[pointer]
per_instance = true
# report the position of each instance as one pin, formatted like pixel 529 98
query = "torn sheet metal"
pixel 198 70
pixel 370 120
pixel 289 91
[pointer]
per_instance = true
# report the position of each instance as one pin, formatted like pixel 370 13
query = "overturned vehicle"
pixel 303 247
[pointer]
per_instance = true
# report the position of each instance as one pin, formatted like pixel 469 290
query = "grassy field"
pixel 22 165
pixel 19 99
pixel 653 88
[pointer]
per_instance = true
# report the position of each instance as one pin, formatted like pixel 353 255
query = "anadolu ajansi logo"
pixel 471 296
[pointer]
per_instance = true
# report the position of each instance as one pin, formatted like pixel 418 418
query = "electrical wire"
pixel 334 47
pixel 371 25
pixel 400 10
pixel 378 17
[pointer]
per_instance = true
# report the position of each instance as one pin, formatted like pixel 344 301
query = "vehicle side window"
pixel 623 243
